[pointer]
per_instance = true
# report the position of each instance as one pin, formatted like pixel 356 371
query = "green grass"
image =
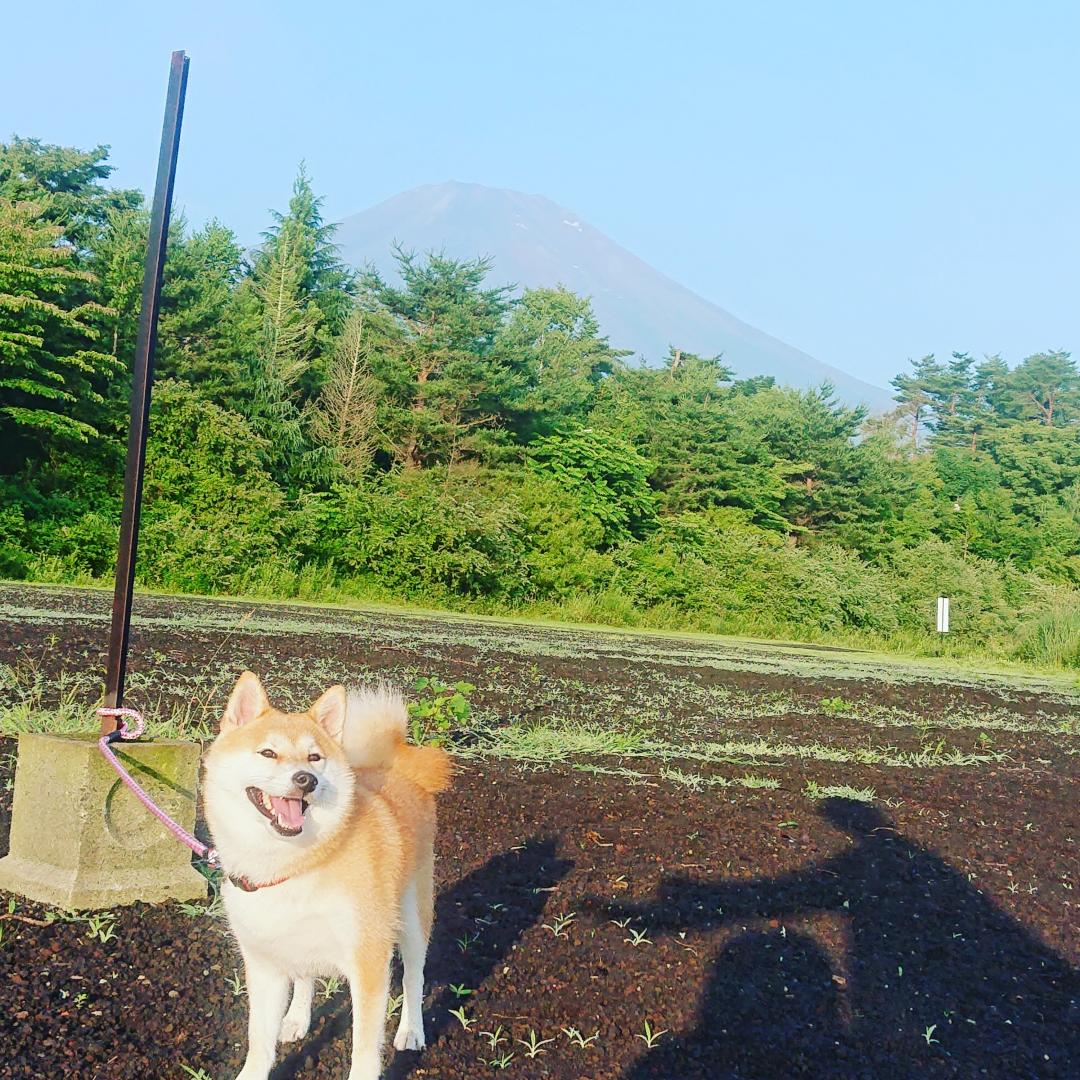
pixel 559 741
pixel 698 782
pixel 544 638
pixel 838 791
pixel 65 704
pixel 1053 641
pixel 951 656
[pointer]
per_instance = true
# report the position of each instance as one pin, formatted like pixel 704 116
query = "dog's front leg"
pixel 369 985
pixel 268 994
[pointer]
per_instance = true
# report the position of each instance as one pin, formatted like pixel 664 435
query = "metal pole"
pixel 141 380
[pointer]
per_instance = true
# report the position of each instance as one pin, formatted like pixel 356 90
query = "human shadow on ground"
pixel 499 902
pixel 937 981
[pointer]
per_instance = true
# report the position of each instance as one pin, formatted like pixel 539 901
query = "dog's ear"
pixel 329 711
pixel 247 701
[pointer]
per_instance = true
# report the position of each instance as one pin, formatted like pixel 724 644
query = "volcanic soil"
pixel 661 857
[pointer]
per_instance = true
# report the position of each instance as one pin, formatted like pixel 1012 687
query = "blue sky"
pixel 867 181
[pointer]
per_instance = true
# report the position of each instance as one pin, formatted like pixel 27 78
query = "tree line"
pixel 323 431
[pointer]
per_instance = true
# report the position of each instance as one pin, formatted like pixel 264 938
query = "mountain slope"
pixel 535 242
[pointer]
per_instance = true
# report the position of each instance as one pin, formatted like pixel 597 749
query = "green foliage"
pixel 440 711
pixel 441 375
pixel 836 706
pixel 421 535
pixel 608 476
pixel 1053 640
pixel 67 183
pixel 211 511
pixel 325 281
pixel 558 359
pixel 50 374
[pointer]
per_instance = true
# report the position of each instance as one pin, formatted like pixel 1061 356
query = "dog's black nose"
pixel 305 781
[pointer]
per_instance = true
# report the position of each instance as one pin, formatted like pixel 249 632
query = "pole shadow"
pixel 938 981
pixel 498 901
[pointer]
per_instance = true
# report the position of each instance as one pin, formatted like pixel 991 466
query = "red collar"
pixel 247 885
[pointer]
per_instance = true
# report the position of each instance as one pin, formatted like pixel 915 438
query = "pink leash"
pixel 124 732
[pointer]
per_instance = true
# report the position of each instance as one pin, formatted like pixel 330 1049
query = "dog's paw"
pixel 293 1028
pixel 409 1038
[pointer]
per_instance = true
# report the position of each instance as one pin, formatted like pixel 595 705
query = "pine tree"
pixel 282 324
pixel 343 418
pixel 324 278
pixel 196 330
pixel 1046 387
pixel 557 357
pixel 914 392
pixel 446 381
pixel 66 183
pixel 953 400
pixel 50 373
pixel 288 321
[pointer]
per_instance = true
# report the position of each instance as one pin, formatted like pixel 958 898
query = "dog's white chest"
pixel 295 928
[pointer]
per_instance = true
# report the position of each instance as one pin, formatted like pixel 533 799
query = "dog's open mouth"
pixel 285 815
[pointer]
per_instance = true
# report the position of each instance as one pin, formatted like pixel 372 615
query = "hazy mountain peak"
pixel 534 241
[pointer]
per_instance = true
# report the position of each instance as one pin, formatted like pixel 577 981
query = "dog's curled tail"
pixel 428 767
pixel 376 724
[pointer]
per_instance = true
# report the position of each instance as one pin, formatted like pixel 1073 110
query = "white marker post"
pixel 943 614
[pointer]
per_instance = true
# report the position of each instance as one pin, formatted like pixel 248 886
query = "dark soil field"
pixel 662 857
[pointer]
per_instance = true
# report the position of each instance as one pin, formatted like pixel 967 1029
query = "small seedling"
pixel 328 987
pixel 466 1022
pixel 638 937
pixel 460 990
pixel 463 943
pixel 560 924
pixel 102 926
pixel 393 1003
pixel 928 1034
pixel 503 1061
pixel 622 924
pixel 650 1038
pixel 835 706
pixel 495 1037
pixel 236 983
pixel 534 1045
pixel 196 1074
pixel 578 1039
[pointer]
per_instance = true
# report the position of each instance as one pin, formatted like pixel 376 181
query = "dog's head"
pixel 279 774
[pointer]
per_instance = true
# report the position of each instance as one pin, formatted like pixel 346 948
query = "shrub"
pixel 429 538
pixel 608 476
pixel 211 511
pixel 440 711
pixel 984 596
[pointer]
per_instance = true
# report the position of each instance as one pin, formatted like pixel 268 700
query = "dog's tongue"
pixel 290 812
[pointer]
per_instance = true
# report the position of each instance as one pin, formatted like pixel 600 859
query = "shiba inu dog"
pixel 324 822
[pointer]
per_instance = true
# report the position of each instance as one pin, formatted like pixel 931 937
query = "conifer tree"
pixel 50 370
pixel 343 418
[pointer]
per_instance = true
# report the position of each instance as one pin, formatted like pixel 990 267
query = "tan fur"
pixel 363 852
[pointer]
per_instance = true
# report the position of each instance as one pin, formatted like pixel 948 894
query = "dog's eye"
pixel 268 753
pixel 314 757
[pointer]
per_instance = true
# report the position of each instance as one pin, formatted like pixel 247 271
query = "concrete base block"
pixel 80 838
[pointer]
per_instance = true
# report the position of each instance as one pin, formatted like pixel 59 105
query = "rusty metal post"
pixel 142 378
